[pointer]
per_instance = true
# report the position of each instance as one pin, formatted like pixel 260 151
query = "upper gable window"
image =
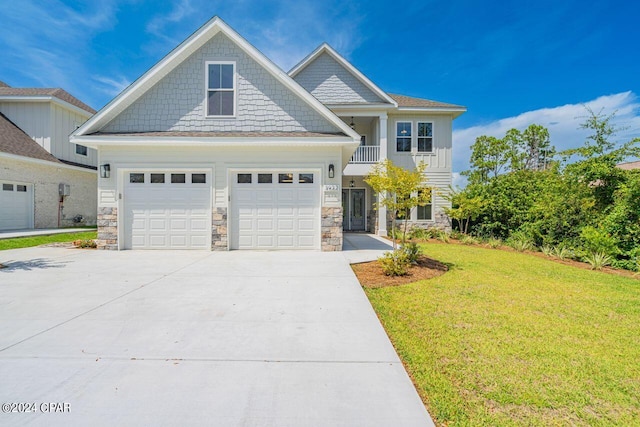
pixel 81 149
pixel 221 89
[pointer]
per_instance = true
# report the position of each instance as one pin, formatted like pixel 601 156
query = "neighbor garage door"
pixel 16 206
pixel 167 210
pixel 275 210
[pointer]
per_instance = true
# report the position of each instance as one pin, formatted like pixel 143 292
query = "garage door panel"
pixel 166 216
pixel 16 208
pixel 276 215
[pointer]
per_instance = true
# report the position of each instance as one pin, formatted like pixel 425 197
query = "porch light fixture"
pixel 332 171
pixel 353 125
pixel 105 170
pixel 352 183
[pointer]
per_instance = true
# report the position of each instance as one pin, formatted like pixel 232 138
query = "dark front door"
pixel 354 213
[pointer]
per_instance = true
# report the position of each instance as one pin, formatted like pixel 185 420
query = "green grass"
pixel 25 242
pixel 506 338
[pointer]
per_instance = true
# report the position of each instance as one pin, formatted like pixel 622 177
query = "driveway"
pixel 195 338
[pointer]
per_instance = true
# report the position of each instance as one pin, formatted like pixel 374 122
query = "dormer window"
pixel 221 89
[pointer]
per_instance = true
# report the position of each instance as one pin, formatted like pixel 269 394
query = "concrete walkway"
pixel 364 247
pixel 195 338
pixel 11 234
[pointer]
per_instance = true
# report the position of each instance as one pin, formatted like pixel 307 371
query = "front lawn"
pixel 506 338
pixel 25 242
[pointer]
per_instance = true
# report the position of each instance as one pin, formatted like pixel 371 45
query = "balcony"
pixel 366 154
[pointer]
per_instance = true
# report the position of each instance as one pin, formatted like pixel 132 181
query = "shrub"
pixel 442 236
pixel 520 242
pixel 468 240
pixel 597 260
pixel 413 251
pixel 562 252
pixel 85 244
pixel 493 243
pixel 594 240
pixel 395 263
pixel 456 235
pixel 547 250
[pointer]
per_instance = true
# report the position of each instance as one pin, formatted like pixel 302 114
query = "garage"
pixel 167 210
pixel 275 210
pixel 16 206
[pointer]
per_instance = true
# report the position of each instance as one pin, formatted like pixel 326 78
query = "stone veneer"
pixel 219 240
pixel 107 228
pixel 331 229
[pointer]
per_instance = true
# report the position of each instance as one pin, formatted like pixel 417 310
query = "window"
pixel 285 178
pixel 244 178
pixel 221 88
pixel 265 178
pixel 136 178
pixel 305 178
pixel 425 137
pixel 81 149
pixel 363 140
pixel 424 212
pixel 157 178
pixel 178 178
pixel 7 187
pixel 403 137
pixel 198 178
pixel 21 188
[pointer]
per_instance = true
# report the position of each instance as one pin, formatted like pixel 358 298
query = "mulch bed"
pixel 370 274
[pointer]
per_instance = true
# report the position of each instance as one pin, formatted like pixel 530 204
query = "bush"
pixel 597 260
pixel 395 263
pixel 594 240
pixel 413 251
pixel 85 244
pixel 520 242
pixel 456 235
pixel 493 243
pixel 468 240
pixel 443 236
pixel 562 252
pixel 547 250
pixel 419 233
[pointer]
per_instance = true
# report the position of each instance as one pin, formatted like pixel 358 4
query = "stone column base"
pixel 331 229
pixel 107 228
pixel 219 234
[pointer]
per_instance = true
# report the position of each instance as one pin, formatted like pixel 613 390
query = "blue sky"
pixel 511 63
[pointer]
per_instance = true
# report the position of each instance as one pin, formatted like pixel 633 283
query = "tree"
pixel 489 156
pixel 399 190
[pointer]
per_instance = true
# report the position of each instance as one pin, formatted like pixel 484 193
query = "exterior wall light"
pixel 105 170
pixel 352 183
pixel 332 171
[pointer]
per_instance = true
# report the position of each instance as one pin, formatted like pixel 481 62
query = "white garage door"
pixel 167 210
pixel 275 210
pixel 16 206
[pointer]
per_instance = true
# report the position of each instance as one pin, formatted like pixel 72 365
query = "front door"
pixel 354 214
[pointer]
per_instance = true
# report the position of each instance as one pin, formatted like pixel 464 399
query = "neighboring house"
pixel 37 160
pixel 630 165
pixel 215 147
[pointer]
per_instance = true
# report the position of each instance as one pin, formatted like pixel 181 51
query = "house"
pixel 46 181
pixel 215 147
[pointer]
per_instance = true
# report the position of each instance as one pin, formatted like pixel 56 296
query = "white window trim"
pixel 206 89
pixel 433 198
pixel 432 137
pixel 80 154
pixel 395 137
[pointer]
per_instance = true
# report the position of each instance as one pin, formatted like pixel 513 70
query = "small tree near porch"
pixel 399 190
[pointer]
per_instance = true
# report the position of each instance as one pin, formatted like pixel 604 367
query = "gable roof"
pixel 181 53
pixel 7 92
pixel 13 140
pixel 325 48
pixel 3 84
pixel 409 101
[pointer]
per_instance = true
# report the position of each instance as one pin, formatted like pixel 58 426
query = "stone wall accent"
pixel 331 229
pixel 176 103
pixel 107 228
pixel 331 83
pixel 219 234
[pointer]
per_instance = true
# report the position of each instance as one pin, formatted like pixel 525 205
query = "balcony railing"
pixel 366 154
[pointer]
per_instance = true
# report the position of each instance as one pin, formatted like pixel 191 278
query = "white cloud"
pixel 157 25
pixel 563 123
pixel 111 86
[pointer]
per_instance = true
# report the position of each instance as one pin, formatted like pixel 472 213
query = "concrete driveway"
pixel 195 338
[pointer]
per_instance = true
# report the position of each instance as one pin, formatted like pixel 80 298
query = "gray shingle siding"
pixel 331 83
pixel 176 103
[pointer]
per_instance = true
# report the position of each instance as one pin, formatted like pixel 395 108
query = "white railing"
pixel 366 154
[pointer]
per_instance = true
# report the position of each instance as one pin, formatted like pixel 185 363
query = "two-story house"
pixel 46 182
pixel 215 147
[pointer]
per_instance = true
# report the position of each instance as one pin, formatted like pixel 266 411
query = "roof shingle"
pixel 408 101
pixel 55 92
pixel 14 141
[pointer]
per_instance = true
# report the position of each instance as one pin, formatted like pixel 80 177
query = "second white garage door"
pixel 16 206
pixel 167 210
pixel 275 210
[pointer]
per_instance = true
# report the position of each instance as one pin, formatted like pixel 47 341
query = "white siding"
pixel 331 83
pixel 177 102
pixel 33 118
pixel 441 156
pixel 63 122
